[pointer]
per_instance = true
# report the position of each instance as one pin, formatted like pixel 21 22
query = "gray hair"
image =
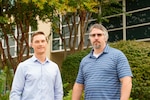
pixel 101 27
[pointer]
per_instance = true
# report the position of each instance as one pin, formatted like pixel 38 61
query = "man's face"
pixel 97 38
pixel 39 44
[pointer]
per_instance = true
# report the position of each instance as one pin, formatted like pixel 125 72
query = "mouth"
pixel 96 42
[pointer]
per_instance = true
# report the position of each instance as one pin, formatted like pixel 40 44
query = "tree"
pixel 77 16
pixel 20 15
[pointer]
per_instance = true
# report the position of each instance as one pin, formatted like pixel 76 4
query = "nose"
pixel 40 43
pixel 96 36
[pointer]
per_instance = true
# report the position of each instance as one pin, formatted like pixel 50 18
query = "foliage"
pixel 138 55
pixel 16 19
pixel 22 14
pixel 4 96
pixel 2 81
pixel 70 68
pixel 17 16
pixel 69 95
pixel 76 17
pixel 5 82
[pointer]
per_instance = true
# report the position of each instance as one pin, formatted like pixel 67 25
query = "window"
pixel 114 22
pixel 132 23
pixel 115 35
pixel 13 45
pixel 136 4
pixel 139 17
pixel 65 31
pixel 141 32
pixel 135 25
pixel 138 21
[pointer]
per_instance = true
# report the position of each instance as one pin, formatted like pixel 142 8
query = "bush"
pixel 69 95
pixel 69 69
pixel 138 54
pixel 4 83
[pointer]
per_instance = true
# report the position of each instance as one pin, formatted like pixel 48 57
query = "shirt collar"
pixel 106 50
pixel 36 60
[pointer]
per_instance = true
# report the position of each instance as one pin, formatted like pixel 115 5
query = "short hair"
pixel 37 33
pixel 101 27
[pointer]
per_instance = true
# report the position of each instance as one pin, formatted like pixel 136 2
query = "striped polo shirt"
pixel 101 75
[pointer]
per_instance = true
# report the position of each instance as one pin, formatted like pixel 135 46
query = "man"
pixel 37 78
pixel 104 74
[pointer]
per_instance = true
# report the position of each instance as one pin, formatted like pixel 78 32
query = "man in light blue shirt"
pixel 37 78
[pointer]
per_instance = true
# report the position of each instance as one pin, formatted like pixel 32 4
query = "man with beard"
pixel 104 74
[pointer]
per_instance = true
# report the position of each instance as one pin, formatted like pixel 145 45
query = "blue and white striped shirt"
pixel 101 75
pixel 36 81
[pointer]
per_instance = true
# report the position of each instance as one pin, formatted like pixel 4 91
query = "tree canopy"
pixel 18 16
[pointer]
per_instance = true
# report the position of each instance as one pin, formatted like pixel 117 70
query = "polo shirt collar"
pixel 106 50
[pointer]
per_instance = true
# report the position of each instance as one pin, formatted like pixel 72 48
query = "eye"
pixel 43 41
pixel 92 35
pixel 36 41
pixel 98 34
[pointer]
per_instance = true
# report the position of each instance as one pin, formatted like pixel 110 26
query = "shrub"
pixel 69 69
pixel 69 95
pixel 4 83
pixel 138 54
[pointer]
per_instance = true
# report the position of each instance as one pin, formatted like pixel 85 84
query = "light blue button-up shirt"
pixel 37 81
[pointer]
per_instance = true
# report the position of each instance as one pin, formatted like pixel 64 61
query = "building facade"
pixel 132 24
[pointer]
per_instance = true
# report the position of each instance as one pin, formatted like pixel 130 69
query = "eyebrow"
pixel 94 34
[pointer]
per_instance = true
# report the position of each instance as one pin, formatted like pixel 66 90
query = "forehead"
pixel 95 30
pixel 39 37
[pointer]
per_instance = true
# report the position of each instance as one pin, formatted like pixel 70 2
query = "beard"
pixel 96 45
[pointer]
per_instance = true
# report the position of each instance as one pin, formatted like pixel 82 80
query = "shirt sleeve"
pixel 18 84
pixel 123 67
pixel 58 92
pixel 80 77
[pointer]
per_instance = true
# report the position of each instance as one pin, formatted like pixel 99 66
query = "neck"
pixel 41 57
pixel 99 50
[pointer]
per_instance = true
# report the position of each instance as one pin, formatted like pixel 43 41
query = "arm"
pixel 125 75
pixel 17 85
pixel 126 86
pixel 77 91
pixel 58 92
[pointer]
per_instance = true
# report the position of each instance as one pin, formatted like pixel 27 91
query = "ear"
pixel 106 39
pixel 30 45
